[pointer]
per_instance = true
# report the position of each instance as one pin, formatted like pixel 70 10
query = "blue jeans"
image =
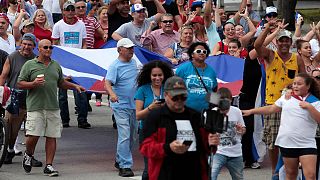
pixel 80 101
pixel 127 132
pixel 233 164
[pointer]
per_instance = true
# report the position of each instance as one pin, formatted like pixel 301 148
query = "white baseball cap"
pixel 125 42
pixel 271 9
pixel 137 7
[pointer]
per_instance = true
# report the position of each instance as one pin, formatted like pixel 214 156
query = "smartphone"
pixel 160 101
pixel 187 143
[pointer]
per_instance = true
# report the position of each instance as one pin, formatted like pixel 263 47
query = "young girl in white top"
pixel 299 119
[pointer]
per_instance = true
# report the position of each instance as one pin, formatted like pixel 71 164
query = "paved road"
pixel 84 154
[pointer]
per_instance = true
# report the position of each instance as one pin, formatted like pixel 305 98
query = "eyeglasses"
pixel 317 77
pixel 198 51
pixel 70 8
pixel 179 97
pixel 272 14
pixel 249 5
pixel 167 21
pixel 82 7
pixel 47 47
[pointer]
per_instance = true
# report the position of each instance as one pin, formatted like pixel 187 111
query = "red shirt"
pixel 98 41
pixel 41 33
pixel 243 52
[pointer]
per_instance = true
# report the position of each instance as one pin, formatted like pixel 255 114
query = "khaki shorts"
pixel 44 123
pixel 271 128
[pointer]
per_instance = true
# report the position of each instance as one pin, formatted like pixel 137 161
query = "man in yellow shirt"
pixel 281 68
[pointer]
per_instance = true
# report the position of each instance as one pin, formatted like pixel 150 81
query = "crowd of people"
pixel 164 106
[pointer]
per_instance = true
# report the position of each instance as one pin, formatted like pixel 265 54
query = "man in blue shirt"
pixel 121 86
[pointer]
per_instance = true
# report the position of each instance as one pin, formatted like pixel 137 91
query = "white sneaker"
pixel 255 165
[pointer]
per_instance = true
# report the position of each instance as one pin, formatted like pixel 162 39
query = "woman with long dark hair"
pixel 149 95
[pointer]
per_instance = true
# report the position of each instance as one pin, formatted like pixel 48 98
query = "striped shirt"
pixel 91 26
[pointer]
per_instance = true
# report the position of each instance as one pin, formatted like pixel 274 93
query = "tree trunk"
pixel 286 10
pixel 269 3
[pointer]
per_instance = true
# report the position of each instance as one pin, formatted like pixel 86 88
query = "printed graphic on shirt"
pixel 185 133
pixel 71 37
pixel 195 85
pixel 229 138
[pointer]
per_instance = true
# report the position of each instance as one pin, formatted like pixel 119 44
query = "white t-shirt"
pixel 69 35
pixel 8 45
pixel 52 5
pixel 314 47
pixel 297 127
pixel 230 141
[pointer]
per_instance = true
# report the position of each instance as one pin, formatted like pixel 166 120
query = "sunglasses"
pixel 273 14
pixel 47 47
pixel 167 21
pixel 317 77
pixel 198 51
pixel 14 3
pixel 249 5
pixel 179 97
pixel 81 7
pixel 70 8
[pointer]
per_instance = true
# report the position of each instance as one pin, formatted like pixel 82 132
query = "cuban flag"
pixel 88 67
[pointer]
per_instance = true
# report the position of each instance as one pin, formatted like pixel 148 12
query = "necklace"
pixel 309 67
pixel 154 95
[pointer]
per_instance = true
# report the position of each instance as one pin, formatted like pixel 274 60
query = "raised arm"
pixel 262 51
pixel 15 28
pixel 160 10
pixel 252 30
pixel 113 6
pixel 310 34
pixel 316 31
pixel 207 14
pixel 242 7
pixel 297 32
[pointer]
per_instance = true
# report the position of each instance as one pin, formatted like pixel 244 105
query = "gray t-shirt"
pixel 134 32
pixel 16 62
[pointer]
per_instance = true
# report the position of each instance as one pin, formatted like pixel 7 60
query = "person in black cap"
pixel 174 143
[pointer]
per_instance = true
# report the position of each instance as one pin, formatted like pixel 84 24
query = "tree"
pixel 286 10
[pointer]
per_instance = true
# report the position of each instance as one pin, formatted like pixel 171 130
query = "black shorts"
pixel 297 152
